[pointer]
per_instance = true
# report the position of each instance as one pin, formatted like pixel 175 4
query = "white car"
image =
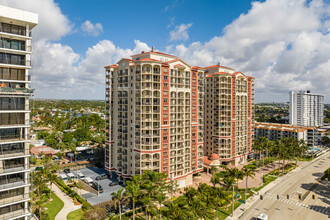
pixel 262 216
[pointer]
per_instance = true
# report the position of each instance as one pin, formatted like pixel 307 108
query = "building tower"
pixel 15 62
pixel 229 114
pixel 154 104
pixel 306 109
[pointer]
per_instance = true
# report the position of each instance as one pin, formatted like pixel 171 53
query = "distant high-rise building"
pixel 306 109
pixel 155 105
pixel 15 62
pixel 229 114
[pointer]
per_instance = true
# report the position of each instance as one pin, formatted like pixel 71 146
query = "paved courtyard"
pixel 92 198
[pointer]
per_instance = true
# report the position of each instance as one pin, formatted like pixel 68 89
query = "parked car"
pixel 113 183
pixel 97 187
pixel 67 170
pixel 101 176
pixel 71 176
pixel 80 175
pixel 63 177
pixel 89 181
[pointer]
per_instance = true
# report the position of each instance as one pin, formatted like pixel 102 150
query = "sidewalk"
pixel 68 204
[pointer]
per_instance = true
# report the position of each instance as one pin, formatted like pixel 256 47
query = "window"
pixel 165 77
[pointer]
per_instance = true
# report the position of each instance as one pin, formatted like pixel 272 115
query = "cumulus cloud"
pixel 52 23
pixel 180 32
pixel 282 43
pixel 92 29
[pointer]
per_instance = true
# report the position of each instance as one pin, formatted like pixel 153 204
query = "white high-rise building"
pixel 306 109
pixel 15 91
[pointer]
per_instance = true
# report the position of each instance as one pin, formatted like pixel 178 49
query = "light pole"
pixel 98 188
pixel 232 210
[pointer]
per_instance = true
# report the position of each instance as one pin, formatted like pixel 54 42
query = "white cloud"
pixel 180 32
pixel 92 29
pixel 284 44
pixel 52 23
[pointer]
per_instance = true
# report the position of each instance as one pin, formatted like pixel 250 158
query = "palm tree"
pixel 51 179
pixel 220 195
pixel 214 180
pixel 214 170
pixel 235 173
pixel 132 190
pixel 160 197
pixel 118 198
pixel 175 211
pixel 247 172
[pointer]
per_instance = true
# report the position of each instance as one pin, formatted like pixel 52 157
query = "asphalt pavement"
pixel 303 181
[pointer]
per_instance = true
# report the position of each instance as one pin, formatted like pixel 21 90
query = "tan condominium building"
pixel 15 63
pixel 154 105
pixel 229 114
pixel 275 131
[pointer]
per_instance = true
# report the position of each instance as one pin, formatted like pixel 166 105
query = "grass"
pixel 75 215
pixel 267 179
pixel 54 206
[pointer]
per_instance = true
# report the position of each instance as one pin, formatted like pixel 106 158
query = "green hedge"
pixel 71 193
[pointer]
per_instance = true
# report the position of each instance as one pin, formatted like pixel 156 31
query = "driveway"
pixel 94 199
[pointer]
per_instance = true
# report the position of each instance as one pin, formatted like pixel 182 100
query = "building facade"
pixel 275 131
pixel 229 114
pixel 155 105
pixel 306 109
pixel 15 62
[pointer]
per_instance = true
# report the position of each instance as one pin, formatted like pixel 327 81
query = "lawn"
pixel 54 206
pixel 267 179
pixel 75 215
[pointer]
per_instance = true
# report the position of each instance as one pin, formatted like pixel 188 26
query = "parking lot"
pixel 93 172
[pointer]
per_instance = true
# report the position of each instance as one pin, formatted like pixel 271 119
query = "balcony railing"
pixel 14 184
pixel 15 198
pixel 14 214
pixel 12 153
pixel 16 90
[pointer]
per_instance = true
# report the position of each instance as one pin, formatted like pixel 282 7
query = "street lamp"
pixel 232 210
pixel 98 188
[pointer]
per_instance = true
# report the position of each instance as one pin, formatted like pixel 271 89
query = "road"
pixel 299 181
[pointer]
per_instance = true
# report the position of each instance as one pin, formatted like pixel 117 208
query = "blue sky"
pixel 149 21
pixel 284 44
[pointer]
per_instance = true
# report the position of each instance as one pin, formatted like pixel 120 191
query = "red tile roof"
pixel 148 59
pixel 214 157
pixel 217 66
pixel 155 53
pixel 179 65
pixel 113 65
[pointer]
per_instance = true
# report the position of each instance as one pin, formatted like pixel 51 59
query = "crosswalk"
pixel 295 202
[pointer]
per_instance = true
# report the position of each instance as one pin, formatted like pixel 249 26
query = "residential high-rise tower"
pixel 229 114
pixel 306 109
pixel 154 105
pixel 15 90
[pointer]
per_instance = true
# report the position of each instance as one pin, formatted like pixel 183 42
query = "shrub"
pixel 85 205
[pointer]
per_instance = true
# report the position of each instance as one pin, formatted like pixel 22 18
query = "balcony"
pixel 14 153
pixel 20 183
pixel 25 91
pixel 14 214
pixel 14 199
pixel 12 168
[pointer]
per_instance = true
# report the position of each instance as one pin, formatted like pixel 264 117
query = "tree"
pixel 118 198
pixel 132 191
pixel 52 179
pixel 247 172
pixel 160 197
pixel 175 211
pixel 220 194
